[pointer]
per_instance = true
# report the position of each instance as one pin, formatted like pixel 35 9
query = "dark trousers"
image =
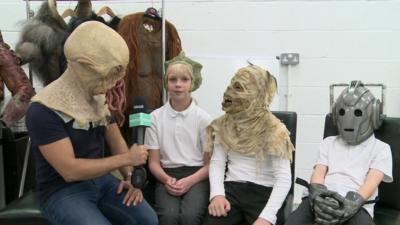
pixel 247 201
pixel 304 216
pixel 183 210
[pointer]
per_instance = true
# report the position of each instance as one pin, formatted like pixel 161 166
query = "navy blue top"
pixel 45 127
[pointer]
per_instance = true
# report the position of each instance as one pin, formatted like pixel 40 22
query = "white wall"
pixel 338 41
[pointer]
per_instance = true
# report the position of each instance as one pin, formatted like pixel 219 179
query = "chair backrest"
pixel 389 132
pixel 290 120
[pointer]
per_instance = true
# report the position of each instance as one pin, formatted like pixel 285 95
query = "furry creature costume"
pixel 92 70
pixel 40 42
pixel 248 127
pixel 17 82
pixel 142 33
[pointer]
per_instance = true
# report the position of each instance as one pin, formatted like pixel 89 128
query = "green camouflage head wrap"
pixel 194 67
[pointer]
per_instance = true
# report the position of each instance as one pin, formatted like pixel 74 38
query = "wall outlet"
pixel 290 58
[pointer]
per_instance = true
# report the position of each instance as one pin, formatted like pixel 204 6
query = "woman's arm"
pixel 117 146
pixel 60 155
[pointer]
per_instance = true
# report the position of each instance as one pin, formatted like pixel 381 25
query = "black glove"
pixel 316 190
pixel 350 205
pixel 326 218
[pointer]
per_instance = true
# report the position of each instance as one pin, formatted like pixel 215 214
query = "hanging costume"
pixel 142 33
pixel 17 82
pixel 42 41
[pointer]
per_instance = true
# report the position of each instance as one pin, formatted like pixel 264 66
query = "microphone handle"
pixel 140 135
pixel 139 176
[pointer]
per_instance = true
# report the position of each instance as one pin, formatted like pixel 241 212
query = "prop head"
pixel 357 113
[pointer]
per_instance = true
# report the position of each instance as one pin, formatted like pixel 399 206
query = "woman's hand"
pixel 138 154
pixel 133 195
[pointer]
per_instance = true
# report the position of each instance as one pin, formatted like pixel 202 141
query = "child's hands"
pixel 170 186
pixel 184 185
pixel 261 221
pixel 219 206
pixel 178 188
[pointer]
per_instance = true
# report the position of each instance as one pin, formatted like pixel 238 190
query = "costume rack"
pixel 30 14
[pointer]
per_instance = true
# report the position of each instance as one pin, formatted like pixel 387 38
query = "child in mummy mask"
pixel 251 153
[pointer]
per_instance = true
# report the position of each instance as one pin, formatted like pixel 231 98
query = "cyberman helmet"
pixel 357 113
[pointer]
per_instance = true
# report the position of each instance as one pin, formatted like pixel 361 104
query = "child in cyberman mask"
pixel 255 148
pixel 350 166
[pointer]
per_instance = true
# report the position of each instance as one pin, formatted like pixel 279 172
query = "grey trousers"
pixel 188 209
pixel 304 216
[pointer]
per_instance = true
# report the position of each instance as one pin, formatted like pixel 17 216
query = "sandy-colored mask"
pixel 248 127
pixel 97 57
pixel 252 88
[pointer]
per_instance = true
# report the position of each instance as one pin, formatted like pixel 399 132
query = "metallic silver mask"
pixel 357 113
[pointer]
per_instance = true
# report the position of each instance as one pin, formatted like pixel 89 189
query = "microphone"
pixel 139 120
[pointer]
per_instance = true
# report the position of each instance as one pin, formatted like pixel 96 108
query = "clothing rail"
pixel 30 14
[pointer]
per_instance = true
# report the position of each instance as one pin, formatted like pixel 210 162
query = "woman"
pixel 68 122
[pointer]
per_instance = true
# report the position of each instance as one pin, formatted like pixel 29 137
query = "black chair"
pixel 387 209
pixel 290 120
pixel 24 210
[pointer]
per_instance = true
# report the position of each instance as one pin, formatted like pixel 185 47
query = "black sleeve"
pixel 44 125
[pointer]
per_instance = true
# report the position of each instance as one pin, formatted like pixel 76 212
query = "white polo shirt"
pixel 270 172
pixel 349 165
pixel 180 136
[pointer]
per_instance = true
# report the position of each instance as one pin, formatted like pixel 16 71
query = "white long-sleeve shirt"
pixel 271 172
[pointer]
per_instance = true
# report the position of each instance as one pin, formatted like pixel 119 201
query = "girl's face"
pixel 179 80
